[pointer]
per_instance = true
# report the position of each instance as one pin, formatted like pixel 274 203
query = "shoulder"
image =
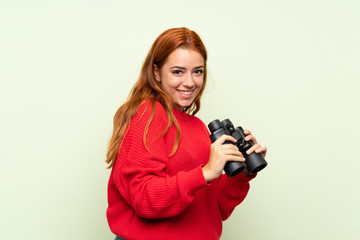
pixel 198 123
pixel 150 112
pixel 148 108
pixel 202 124
pixel 196 119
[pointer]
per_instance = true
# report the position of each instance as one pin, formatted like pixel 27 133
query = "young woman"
pixel 166 180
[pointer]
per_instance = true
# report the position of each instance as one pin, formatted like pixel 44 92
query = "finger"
pixel 234 152
pixel 229 147
pixel 247 132
pixel 224 149
pixel 262 150
pixel 232 157
pixel 236 158
pixel 252 149
pixel 251 138
pixel 224 138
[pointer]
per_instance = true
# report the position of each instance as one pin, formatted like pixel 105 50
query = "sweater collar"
pixel 180 115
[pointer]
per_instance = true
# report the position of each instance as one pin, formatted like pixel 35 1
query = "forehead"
pixel 184 57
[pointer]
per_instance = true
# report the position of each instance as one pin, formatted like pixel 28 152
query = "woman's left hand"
pixel 257 147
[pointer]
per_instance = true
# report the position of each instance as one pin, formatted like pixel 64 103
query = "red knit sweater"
pixel 154 196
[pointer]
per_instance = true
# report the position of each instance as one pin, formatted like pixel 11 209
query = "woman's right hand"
pixel 221 153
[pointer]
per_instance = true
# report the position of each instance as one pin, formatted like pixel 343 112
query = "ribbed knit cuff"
pixel 239 181
pixel 192 180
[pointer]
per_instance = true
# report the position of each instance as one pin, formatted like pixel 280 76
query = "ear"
pixel 157 73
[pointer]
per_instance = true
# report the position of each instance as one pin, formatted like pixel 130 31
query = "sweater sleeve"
pixel 232 191
pixel 139 172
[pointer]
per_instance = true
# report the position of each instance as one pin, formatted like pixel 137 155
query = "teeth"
pixel 186 93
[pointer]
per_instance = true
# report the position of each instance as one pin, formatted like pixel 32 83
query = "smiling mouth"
pixel 186 93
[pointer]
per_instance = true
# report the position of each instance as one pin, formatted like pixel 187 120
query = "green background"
pixel 287 70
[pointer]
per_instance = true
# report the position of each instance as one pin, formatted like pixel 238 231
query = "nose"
pixel 189 81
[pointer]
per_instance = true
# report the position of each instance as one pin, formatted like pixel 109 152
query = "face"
pixel 182 76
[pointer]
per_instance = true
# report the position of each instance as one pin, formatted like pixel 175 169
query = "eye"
pixel 199 71
pixel 177 72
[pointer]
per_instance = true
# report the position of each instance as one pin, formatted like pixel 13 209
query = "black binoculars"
pixel 253 162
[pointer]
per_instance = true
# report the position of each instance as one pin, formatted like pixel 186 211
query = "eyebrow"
pixel 185 68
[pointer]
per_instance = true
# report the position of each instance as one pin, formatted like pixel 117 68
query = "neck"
pixel 180 108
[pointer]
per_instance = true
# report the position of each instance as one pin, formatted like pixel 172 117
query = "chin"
pixel 182 106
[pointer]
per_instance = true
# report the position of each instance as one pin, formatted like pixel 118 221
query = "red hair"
pixel 147 88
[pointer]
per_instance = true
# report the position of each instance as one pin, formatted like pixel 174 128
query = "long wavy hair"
pixel 147 88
